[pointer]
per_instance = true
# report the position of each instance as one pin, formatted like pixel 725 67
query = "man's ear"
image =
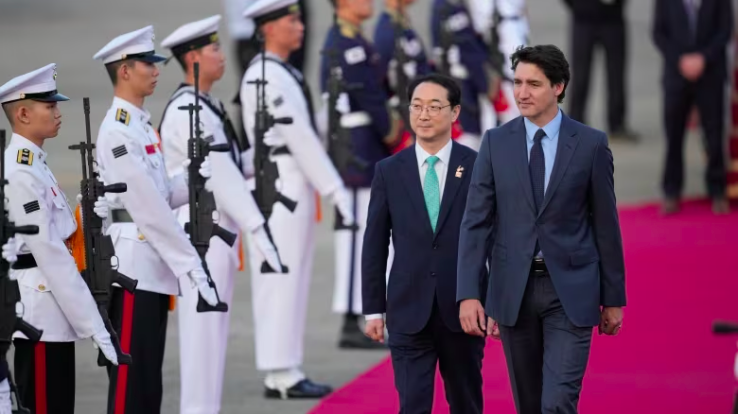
pixel 23 113
pixel 124 71
pixel 456 112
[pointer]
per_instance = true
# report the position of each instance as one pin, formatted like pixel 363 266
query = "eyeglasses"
pixel 433 110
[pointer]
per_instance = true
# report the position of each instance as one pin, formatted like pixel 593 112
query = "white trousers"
pixel 203 336
pixel 280 300
pixel 348 271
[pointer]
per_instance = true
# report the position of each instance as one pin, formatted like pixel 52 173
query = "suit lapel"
pixel 567 142
pixel 452 184
pixel 410 178
pixel 520 157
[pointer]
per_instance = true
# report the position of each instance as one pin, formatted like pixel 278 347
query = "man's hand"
pixel 374 329
pixel 10 250
pixel 473 318
pixel 611 320
pixel 492 330
pixel 102 341
pixel 267 248
pixel 199 279
pixel 343 202
pixel 691 66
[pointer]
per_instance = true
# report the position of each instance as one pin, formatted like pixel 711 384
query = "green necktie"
pixel 431 191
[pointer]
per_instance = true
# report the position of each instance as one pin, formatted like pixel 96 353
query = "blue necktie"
pixel 537 174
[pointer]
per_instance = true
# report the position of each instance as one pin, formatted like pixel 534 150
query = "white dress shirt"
pixel 440 168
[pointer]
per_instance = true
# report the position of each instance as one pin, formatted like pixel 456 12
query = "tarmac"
pixel 34 33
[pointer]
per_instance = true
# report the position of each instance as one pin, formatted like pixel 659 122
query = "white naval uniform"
pixel 280 300
pixel 513 31
pixel 203 336
pixel 155 249
pixel 55 297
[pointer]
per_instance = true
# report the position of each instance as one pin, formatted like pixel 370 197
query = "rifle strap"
pixel 229 131
pixel 301 81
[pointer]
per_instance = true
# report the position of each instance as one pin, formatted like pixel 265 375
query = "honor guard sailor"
pixel 375 132
pixel 203 336
pixel 461 53
pixel 54 296
pixel 505 22
pixel 280 300
pixel 150 243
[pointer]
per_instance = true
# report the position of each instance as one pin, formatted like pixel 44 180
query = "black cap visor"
pixel 149 57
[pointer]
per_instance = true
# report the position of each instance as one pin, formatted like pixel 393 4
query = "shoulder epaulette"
pixel 122 116
pixel 25 156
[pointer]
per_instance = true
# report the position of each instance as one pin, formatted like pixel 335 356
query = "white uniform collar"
pixel 137 113
pixel 21 141
pixel 443 154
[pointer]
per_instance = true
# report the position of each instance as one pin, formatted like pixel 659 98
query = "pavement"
pixel 68 32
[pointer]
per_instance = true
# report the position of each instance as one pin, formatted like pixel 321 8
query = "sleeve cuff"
pixel 374 316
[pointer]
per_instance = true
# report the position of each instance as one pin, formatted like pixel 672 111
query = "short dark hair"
pixel 453 88
pixel 112 69
pixel 549 59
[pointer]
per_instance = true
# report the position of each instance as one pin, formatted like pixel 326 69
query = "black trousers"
pixel 584 39
pixel 45 376
pixel 141 323
pixel 415 358
pixel 678 98
pixel 545 353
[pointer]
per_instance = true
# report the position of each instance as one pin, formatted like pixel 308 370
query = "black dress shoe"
pixel 358 340
pixel 304 389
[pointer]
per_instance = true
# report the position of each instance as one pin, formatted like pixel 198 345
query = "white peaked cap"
pixel 39 85
pixel 266 10
pixel 193 35
pixel 138 45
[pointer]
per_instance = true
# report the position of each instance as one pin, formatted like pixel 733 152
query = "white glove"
pixel 6 404
pixel 343 203
pixel 199 279
pixel 103 342
pixel 267 248
pixel 204 170
pixel 342 104
pixel 101 207
pixel 10 250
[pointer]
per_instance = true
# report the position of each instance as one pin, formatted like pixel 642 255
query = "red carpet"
pixel 681 275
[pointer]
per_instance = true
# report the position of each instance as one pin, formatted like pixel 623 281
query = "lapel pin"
pixel 459 171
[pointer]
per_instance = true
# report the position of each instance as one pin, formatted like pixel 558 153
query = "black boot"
pixel 353 338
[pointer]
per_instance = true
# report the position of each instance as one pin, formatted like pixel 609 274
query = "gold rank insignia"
pixel 122 116
pixel 25 156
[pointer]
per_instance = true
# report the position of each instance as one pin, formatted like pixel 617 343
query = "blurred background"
pixel 34 33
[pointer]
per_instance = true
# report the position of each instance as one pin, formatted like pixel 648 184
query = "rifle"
pixel 11 310
pixel 497 58
pixel 266 193
pixel 201 226
pixel 99 274
pixel 402 59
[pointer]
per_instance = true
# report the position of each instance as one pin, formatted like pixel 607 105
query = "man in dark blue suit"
pixel 418 198
pixel 543 191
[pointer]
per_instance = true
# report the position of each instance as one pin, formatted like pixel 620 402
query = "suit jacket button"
pixel 433 274
pixel 434 246
pixel 42 287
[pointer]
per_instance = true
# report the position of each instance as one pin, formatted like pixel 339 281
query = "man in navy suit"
pixel 418 198
pixel 542 190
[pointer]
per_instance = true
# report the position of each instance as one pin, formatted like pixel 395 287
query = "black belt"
pixel 281 150
pixel 121 216
pixel 25 261
pixel 538 267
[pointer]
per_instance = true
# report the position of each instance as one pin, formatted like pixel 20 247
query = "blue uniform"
pixel 467 59
pixel 385 42
pixel 374 131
